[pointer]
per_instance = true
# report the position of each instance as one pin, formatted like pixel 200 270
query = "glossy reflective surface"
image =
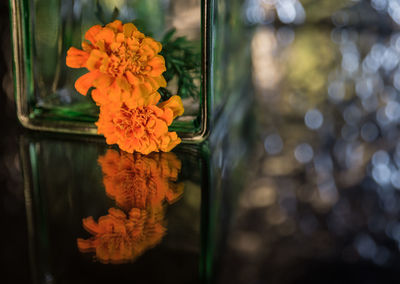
pixel 299 187
pixel 107 215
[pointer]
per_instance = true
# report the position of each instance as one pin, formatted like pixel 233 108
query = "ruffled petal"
pixel 103 82
pixel 91 226
pixel 159 128
pixel 132 79
pixel 128 29
pixel 85 82
pixel 174 103
pixel 106 34
pixel 116 26
pixel 170 142
pixel 94 60
pixel 160 81
pixel 154 45
pixel 157 64
pixel 90 35
pixel 76 58
pixel 153 99
pixel 167 116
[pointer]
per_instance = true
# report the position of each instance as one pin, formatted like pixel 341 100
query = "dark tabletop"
pixel 302 187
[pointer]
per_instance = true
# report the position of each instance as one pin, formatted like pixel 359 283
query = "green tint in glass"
pixel 44 30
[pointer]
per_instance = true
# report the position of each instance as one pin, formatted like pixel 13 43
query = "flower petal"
pixel 154 45
pixel 160 128
pixel 168 116
pixel 116 26
pixel 123 83
pixel 83 84
pixel 161 81
pixel 153 99
pixel 105 34
pixel 174 103
pixel 86 46
pixel 128 29
pixel 157 64
pixel 76 58
pixel 95 59
pixel 103 81
pixel 132 79
pixel 99 97
pixel 90 35
pixel 90 225
pixel 173 141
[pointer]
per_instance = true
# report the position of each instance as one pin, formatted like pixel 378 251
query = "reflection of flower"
pixel 123 63
pixel 143 129
pixel 138 181
pixel 141 186
pixel 118 238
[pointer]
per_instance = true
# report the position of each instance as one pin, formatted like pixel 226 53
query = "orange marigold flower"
pixel 142 129
pixel 118 238
pixel 123 63
pixel 141 181
pixel 130 100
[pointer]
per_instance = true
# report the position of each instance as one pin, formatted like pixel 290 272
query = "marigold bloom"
pixel 118 238
pixel 141 181
pixel 143 129
pixel 123 63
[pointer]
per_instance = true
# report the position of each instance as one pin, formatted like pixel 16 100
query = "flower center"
pixel 132 121
pixel 125 58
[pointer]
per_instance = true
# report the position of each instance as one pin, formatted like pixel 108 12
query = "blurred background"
pixel 319 199
pixel 323 201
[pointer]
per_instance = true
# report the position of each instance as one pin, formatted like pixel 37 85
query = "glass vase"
pixel 43 31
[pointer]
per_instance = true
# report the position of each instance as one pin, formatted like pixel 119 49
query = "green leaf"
pixel 182 59
pixel 115 14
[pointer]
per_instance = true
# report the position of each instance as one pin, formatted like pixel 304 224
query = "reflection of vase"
pixel 44 86
pixel 64 183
